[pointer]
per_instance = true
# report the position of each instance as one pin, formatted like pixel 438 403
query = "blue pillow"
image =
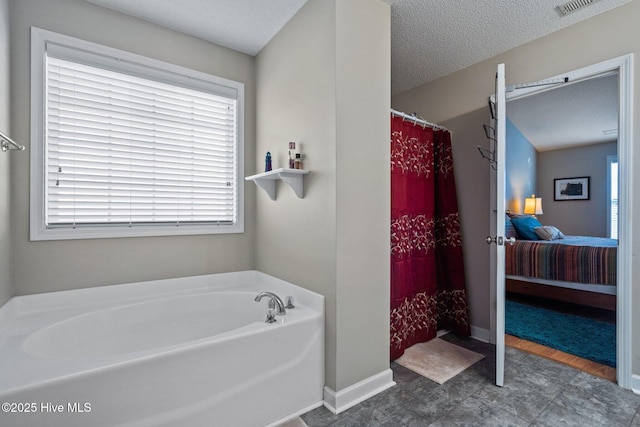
pixel 509 229
pixel 525 226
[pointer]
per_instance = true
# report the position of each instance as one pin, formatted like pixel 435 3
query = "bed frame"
pixel 574 296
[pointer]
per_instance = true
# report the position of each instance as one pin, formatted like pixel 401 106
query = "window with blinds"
pixel 133 147
pixel 612 196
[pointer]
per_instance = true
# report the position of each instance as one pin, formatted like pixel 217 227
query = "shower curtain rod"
pixel 9 144
pixel 418 120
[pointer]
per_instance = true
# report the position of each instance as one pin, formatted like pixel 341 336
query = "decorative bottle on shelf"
pixel 292 148
pixel 267 162
pixel 298 162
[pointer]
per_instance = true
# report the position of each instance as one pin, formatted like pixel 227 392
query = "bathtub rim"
pixel 108 294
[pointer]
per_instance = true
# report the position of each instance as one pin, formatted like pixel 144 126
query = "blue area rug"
pixel 587 338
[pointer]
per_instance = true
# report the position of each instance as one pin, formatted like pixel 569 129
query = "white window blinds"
pixel 123 149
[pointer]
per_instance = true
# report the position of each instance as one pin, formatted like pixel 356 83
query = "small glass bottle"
pixel 267 162
pixel 298 162
pixel 292 148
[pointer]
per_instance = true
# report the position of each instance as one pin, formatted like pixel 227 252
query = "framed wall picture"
pixel 571 188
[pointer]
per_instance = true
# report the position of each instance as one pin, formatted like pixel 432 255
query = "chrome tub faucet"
pixel 274 301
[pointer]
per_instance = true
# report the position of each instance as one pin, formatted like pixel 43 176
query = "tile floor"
pixel 537 392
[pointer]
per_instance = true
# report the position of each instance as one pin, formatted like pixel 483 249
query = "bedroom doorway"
pixel 618 69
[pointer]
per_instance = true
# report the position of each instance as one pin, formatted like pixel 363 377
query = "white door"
pixel 498 286
pixel 623 65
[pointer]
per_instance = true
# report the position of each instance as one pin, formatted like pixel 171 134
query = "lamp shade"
pixel 533 205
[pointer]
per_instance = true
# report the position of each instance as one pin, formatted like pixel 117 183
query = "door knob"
pixel 500 240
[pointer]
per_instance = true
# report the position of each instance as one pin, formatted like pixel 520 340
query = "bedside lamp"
pixel 533 205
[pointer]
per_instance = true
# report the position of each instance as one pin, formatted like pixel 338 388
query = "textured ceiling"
pixel 569 115
pixel 429 38
pixel 433 38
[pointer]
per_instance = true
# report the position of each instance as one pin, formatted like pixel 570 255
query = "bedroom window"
pixel 612 196
pixel 129 146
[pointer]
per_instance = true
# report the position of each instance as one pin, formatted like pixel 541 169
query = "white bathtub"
pixel 190 352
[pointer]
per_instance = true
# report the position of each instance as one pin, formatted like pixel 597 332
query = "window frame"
pixel 151 68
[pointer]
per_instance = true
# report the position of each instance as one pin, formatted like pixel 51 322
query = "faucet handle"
pixel 290 302
pixel 270 316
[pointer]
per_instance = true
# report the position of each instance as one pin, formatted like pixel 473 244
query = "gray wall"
pixel 363 192
pixel 56 265
pixel 324 82
pixel 608 35
pixel 472 184
pixel 5 158
pixel 576 217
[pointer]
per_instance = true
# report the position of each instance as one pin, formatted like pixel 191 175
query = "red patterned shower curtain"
pixel 427 270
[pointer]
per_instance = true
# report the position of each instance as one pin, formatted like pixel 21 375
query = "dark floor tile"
pixel 468 382
pixel 483 371
pixel 471 344
pixel 513 355
pixel 364 418
pixel 320 417
pixel 591 401
pixel 402 375
pixel 568 414
pixel 429 408
pixel 606 391
pixel 536 392
pixel 385 415
pixel 475 412
pixel 530 364
pixel 418 388
pixel 522 396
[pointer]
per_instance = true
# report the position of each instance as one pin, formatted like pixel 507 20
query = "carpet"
pixel 438 360
pixel 587 338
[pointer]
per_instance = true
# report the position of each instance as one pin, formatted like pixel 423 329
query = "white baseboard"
pixel 480 334
pixel 344 399
pixel 635 383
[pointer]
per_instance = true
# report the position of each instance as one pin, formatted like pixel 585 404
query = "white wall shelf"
pixel 267 180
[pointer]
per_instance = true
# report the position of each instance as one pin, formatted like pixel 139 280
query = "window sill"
pixel 108 232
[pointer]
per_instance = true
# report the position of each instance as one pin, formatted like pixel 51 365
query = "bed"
pixel 576 269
